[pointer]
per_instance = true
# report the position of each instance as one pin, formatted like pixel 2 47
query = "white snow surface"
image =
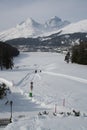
pixel 71 28
pixel 80 26
pixel 55 82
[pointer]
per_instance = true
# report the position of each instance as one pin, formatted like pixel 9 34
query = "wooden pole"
pixel 11 110
pixel 55 108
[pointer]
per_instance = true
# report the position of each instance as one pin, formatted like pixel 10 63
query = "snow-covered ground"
pixel 56 84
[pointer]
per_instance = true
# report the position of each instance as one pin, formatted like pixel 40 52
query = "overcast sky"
pixel 12 12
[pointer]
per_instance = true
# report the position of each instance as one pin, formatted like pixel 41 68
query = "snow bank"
pixel 8 83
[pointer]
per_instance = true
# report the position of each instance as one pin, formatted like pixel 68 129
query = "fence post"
pixel 55 108
pixel 11 102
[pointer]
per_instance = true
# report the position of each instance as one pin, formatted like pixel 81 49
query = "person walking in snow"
pixel 31 86
pixel 67 57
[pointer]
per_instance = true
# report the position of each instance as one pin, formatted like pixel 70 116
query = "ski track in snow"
pixel 24 78
pixel 43 101
pixel 10 84
pixel 67 76
pixel 30 76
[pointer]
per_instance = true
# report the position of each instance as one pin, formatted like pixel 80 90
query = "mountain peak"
pixel 53 21
pixel 56 18
pixel 56 23
pixel 28 21
pixel 31 28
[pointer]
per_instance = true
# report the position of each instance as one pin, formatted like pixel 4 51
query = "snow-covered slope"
pixel 28 28
pixel 80 26
pixel 57 84
pixel 31 28
pixel 55 23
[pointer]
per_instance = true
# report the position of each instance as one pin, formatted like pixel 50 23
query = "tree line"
pixel 7 52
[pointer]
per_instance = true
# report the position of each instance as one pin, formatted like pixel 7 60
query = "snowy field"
pixel 57 87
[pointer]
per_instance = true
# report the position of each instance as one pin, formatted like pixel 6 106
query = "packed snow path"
pixel 68 77
pixel 45 79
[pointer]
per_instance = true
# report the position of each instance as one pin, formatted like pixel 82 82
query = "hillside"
pixel 80 26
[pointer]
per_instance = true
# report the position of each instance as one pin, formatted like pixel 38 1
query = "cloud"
pixel 14 11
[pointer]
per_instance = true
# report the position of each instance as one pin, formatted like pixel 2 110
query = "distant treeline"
pixel 55 40
pixel 7 52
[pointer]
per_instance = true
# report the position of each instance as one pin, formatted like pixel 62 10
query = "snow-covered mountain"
pixel 31 28
pixel 71 34
pixel 80 26
pixel 25 29
pixel 56 23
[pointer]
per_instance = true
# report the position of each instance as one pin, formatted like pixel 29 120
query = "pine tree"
pixel 6 55
pixel 2 90
pixel 79 53
pixel 8 60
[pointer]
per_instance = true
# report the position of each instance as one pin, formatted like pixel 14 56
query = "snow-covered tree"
pixel 3 90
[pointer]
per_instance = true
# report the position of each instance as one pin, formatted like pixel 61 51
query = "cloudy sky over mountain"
pixel 15 11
